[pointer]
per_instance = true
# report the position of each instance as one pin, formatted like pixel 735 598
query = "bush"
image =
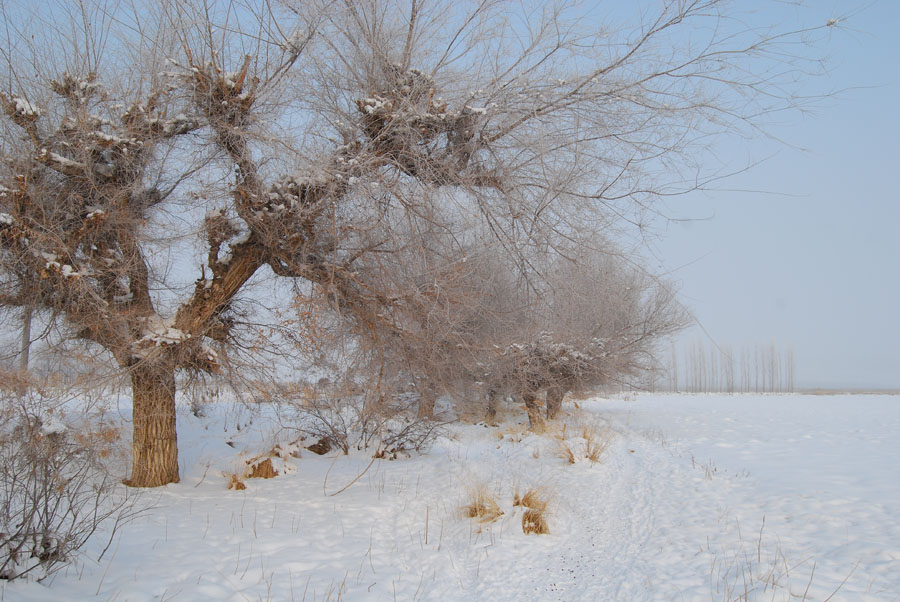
pixel 54 490
pixel 340 417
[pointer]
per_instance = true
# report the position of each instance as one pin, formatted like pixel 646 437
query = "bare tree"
pixel 322 141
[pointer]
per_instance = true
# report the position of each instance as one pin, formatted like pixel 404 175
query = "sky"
pixel 803 249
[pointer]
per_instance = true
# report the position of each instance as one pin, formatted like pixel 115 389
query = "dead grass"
pixel 235 482
pixel 536 499
pixel 565 451
pixel 535 502
pixel 482 505
pixel 534 523
pixel 596 442
pixel 590 443
pixel 260 468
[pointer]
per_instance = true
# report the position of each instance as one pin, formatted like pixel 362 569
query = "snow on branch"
pixel 25 109
pixel 157 332
pixel 22 112
pixel 61 164
pixel 77 89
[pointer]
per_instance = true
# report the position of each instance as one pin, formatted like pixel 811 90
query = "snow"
pixel 59 160
pixel 240 239
pixel 696 498
pixel 51 263
pixel 158 332
pixel 178 124
pixel 51 425
pixel 69 272
pixel 375 104
pixel 208 352
pixel 25 108
pixel 6 219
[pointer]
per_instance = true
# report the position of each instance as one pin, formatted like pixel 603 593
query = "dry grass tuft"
pixel 235 482
pixel 483 505
pixel 535 502
pixel 596 442
pixel 565 451
pixel 591 444
pixel 260 468
pixel 533 498
pixel 533 522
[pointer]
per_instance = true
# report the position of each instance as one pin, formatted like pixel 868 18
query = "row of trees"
pixel 441 181
pixel 759 368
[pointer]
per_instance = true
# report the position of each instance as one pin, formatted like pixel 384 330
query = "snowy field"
pixel 696 498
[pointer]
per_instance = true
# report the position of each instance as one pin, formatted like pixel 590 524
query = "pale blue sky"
pixel 816 265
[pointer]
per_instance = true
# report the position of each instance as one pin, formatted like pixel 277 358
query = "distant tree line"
pixel 721 368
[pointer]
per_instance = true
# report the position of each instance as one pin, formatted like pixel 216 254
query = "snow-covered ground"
pixel 696 498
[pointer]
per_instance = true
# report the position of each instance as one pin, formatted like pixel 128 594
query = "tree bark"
pixel 490 414
pixel 24 349
pixel 535 422
pixel 427 398
pixel 154 445
pixel 555 397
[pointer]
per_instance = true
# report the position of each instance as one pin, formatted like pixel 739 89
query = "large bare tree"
pixel 332 142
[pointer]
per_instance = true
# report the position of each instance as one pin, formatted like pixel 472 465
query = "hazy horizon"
pixel 801 249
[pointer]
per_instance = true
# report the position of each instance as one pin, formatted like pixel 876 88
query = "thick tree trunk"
pixel 532 408
pixel 555 397
pixel 427 398
pixel 155 448
pixel 490 414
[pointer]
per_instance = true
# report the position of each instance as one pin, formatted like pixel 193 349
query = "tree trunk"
pixel 555 397
pixel 154 445
pixel 24 349
pixel 490 414
pixel 535 422
pixel 427 398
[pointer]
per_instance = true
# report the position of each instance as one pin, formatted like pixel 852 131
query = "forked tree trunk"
pixel 154 445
